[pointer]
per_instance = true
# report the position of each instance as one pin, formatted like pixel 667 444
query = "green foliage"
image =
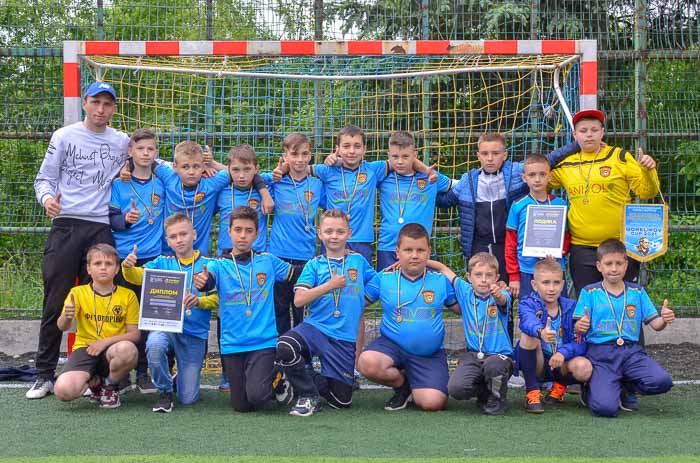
pixel 689 158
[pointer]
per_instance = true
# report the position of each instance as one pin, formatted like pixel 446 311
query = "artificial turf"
pixel 664 430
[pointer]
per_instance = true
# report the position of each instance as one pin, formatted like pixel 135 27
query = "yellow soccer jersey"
pixel 100 317
pixel 598 187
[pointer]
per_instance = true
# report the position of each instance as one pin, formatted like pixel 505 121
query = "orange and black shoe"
pixel 556 394
pixel 533 401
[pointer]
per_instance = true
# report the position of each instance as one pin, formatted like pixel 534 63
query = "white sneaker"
pixel 40 389
pixel 516 382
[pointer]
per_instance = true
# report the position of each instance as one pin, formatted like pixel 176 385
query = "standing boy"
pixel 244 281
pixel 536 174
pixel 405 196
pixel 334 285
pixel 73 187
pixel 484 369
pixel 408 355
pixel 549 349
pixel 612 312
pixel 190 345
pixel 107 319
pixel 598 179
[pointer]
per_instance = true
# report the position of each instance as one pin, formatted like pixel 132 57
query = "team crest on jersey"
pixel 492 311
pixel 631 310
pixel 352 273
pixel 155 199
pixel 254 203
pixel 117 309
pixel 428 296
pixel 308 196
pixel 361 178
pixel 605 171
pixel 261 278
pixel 199 197
pixel 421 183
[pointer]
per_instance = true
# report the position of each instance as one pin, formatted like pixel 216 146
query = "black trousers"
pixel 64 260
pixel 250 375
pixel 498 250
pixel 284 299
pixel 478 378
pixel 583 271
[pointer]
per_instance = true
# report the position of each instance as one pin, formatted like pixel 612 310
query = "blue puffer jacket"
pixel 533 316
pixel 463 193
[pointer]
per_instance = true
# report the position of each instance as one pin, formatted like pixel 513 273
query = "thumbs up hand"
pixel 130 260
pixel 584 323
pixel 133 215
pixel 201 278
pixel 333 158
pixel 645 160
pixel 338 280
pixel 53 206
pixel 547 334
pixel 280 171
pixel 667 314
pixel 69 309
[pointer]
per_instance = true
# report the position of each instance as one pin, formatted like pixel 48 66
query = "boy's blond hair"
pixel 294 140
pixel 174 219
pixel 104 249
pixel 482 258
pixel 402 140
pixel 334 214
pixel 490 137
pixel 536 158
pixel 244 153
pixel 548 265
pixel 187 149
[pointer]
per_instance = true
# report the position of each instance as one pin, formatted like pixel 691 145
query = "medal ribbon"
pixel 306 211
pixel 612 307
pixel 336 292
pixel 399 305
pixel 481 336
pixel 248 294
pixel 149 210
pixel 408 195
pixel 194 201
pixel 100 326
pixel 345 191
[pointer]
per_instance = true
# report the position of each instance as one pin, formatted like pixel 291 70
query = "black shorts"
pixel 80 360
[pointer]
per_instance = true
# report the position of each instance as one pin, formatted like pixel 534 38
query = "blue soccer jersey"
pixel 615 316
pixel 293 235
pixel 198 203
pixel 354 192
pixel 147 233
pixel 485 322
pixel 246 300
pixel 197 322
pixel 337 314
pixel 407 199
pixel 516 222
pixel 228 200
pixel 412 310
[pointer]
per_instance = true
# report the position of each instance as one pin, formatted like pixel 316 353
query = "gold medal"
pixel 248 313
pixel 307 228
pixel 150 221
pixel 336 314
pixel 620 342
pixel 399 318
pixel 188 312
pixel 585 200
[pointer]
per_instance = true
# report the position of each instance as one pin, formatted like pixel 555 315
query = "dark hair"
pixel 244 153
pixel 414 231
pixel 244 213
pixel 294 140
pixel 102 248
pixel 349 131
pixel 142 134
pixel 402 139
pixel 611 246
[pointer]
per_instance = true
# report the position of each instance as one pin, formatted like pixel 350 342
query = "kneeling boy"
pixel 107 319
pixel 549 350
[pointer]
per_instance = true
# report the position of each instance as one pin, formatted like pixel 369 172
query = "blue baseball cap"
pixel 101 87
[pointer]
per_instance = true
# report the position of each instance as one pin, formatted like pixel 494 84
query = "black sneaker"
pixel 145 385
pixel 494 406
pixel 402 396
pixel 583 398
pixel 628 401
pixel 165 403
pixel 306 406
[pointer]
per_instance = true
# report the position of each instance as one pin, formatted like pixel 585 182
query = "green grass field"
pixel 49 431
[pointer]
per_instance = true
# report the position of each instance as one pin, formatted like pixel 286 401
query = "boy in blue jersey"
pixel 335 286
pixel 244 280
pixel 549 350
pixel 408 355
pixel 298 197
pixel 190 345
pixel 611 313
pixel 536 174
pixel 484 369
pixel 405 196
pixel 136 217
pixel 187 192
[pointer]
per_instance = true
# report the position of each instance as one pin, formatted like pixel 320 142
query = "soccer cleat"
pixel 164 404
pixel 145 385
pixel 40 389
pixel 494 406
pixel 629 402
pixel 402 396
pixel 109 398
pixel 284 393
pixel 306 406
pixel 556 394
pixel 533 401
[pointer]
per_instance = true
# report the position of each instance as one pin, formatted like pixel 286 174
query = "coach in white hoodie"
pixel 73 185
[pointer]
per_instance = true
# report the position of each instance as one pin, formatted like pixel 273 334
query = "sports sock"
pixel 528 364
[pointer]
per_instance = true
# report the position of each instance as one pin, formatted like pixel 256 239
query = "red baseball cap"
pixel 589 113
